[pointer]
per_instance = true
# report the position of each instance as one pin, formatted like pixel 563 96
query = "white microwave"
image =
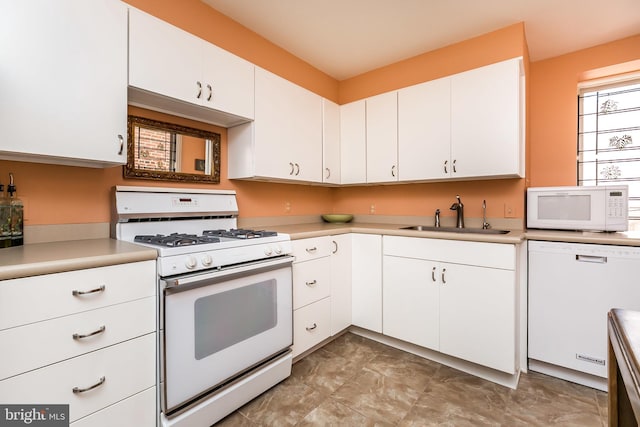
pixel 603 208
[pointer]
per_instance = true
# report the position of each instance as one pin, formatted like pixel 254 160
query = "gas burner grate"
pixel 240 233
pixel 175 239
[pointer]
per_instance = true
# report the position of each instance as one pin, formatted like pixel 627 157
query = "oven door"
pixel 220 324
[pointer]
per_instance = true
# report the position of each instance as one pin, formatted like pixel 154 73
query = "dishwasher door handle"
pixel 591 258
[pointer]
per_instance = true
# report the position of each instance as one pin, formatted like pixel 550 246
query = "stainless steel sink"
pixel 455 229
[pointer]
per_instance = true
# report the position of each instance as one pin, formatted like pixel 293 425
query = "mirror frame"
pixel 130 171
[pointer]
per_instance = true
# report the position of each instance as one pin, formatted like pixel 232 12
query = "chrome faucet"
pixel 485 224
pixel 458 206
pixel 437 224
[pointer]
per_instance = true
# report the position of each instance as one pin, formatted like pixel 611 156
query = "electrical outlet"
pixel 509 211
pixel 287 206
pixel 372 209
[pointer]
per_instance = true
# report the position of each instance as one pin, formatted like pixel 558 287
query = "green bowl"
pixel 337 218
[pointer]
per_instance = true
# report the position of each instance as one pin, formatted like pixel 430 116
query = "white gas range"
pixel 225 299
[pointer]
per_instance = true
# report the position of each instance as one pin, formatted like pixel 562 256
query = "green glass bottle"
pixel 5 219
pixel 17 212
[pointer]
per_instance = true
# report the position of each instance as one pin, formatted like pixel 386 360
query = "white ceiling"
pixel 344 38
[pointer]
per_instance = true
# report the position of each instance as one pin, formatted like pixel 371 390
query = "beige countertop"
pixel 55 257
pixel 515 236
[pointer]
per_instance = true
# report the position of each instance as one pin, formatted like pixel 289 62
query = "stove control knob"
pixel 268 251
pixel 278 250
pixel 207 260
pixel 191 263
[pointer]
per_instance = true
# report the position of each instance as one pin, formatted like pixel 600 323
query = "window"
pixel 609 138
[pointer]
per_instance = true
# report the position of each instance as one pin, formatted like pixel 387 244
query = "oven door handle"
pixel 184 283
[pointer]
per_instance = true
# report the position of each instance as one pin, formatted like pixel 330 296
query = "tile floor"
pixel 354 381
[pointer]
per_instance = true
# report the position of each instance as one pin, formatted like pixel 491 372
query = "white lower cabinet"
pixel 88 340
pixel 458 298
pixel 366 286
pixel 321 289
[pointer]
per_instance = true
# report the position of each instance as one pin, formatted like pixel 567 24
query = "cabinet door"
pixel 165 59
pixel 366 286
pixel 486 121
pixel 353 143
pixel 288 130
pixel 330 142
pixel 311 325
pixel 424 131
pixel 64 81
pixel 477 315
pixel 411 300
pixel 382 137
pixel 340 282
pixel 228 81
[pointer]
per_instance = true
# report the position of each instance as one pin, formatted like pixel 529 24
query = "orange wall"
pixel 553 105
pixel 61 194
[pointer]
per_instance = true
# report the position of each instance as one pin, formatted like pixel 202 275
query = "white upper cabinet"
pixel 285 140
pixel 424 131
pixel 353 143
pixel 487 121
pixel 330 142
pixel 63 82
pixel 382 137
pixel 168 64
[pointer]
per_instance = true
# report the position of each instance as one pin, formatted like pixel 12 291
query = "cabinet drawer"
pixel 127 369
pixel 137 411
pixel 23 346
pixel 311 281
pixel 306 249
pixel 482 254
pixel 311 325
pixel 37 298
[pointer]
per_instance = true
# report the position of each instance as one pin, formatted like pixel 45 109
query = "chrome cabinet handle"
pixel 433 274
pixel 100 330
pixel 83 390
pixel 297 169
pixel 328 173
pixel 121 139
pixel 591 258
pixel 77 293
pixel 311 283
pixel 292 168
pixel 311 328
pixel 454 167
pixel 445 166
pixel 210 92
pixel 199 90
pixel 335 245
pixel 393 171
pixel 313 249
pixel 444 270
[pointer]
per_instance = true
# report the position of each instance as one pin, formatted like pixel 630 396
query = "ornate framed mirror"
pixel 168 152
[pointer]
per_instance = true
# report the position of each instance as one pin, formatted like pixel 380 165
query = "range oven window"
pixel 227 318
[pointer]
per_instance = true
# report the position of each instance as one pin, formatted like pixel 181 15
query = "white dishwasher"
pixel 572 286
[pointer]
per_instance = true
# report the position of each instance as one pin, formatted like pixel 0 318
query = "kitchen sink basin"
pixel 455 229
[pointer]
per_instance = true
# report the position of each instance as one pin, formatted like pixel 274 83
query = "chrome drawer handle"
pixel 311 283
pixel 77 293
pixel 591 258
pixel 100 330
pixel 311 328
pixel 313 249
pixel 82 390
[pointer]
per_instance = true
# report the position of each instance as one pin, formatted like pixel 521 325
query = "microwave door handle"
pixel 592 258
